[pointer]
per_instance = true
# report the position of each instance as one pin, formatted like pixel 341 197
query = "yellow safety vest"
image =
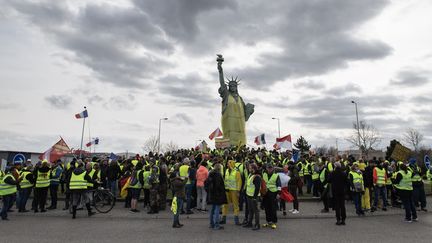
pixel 78 181
pixel 305 168
pixel 184 172
pixel 380 176
pixel 91 173
pixel 42 179
pixel 134 162
pixel 138 183
pixel 53 174
pixel 250 187
pixel 322 177
pixel 146 176
pixel 271 183
pixel 417 176
pixel 6 189
pixel 315 175
pixel 406 182
pixel 301 170
pixel 357 181
pixel 24 182
pixel 231 180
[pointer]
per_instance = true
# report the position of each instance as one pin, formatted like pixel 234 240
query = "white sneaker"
pixel 295 211
pixel 291 210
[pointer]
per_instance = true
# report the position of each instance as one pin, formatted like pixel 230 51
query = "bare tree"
pixel 171 146
pixel 366 137
pixel 414 138
pixel 150 145
pixel 321 150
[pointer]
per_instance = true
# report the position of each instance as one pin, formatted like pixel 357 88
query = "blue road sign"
pixel 427 161
pixel 19 158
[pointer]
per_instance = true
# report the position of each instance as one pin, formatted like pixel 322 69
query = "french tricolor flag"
pixel 95 141
pixel 260 139
pixel 83 114
pixel 216 133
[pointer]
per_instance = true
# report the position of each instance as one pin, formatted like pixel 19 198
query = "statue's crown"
pixel 233 81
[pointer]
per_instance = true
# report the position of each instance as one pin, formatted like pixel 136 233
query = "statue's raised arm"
pixel 223 86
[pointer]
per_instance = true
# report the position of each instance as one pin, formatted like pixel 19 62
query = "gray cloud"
pixel 8 106
pixel 190 90
pixel 94 99
pixel 127 46
pixel 59 101
pixel 337 112
pixel 411 78
pixel 311 84
pixel 182 118
pixel 349 88
pixel 127 102
pixel 119 44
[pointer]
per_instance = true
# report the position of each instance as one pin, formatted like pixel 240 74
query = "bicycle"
pixel 103 200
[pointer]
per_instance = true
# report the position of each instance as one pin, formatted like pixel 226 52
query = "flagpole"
pixel 82 134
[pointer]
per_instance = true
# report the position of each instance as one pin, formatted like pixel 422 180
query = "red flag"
pixel 215 134
pixel 284 142
pixel 57 151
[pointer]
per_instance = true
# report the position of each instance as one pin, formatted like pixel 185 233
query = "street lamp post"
pixel 358 125
pixel 160 121
pixel 275 118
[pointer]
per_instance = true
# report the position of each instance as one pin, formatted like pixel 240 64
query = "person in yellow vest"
pixel 419 195
pixel 41 174
pixel 380 182
pixel 8 189
pixel 389 185
pixel 403 184
pixel 315 179
pixel 307 174
pixel 55 174
pixel 325 189
pixel 26 186
pixel 253 186
pixel 135 186
pixel 274 187
pixel 233 183
pixel 300 167
pixel 429 176
pixel 78 184
pixel 357 188
pixel 184 172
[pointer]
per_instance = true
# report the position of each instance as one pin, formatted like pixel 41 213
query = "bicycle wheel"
pixel 103 201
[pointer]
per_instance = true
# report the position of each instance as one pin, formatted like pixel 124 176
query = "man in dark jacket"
pixel 216 194
pixel 339 181
pixel 368 184
pixel 113 174
pixel 178 187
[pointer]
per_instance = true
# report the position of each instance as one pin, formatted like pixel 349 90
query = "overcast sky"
pixel 133 62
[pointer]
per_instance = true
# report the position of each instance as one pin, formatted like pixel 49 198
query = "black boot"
pixel 89 211
pixel 74 209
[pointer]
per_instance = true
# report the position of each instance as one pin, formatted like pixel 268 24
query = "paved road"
pixel 122 226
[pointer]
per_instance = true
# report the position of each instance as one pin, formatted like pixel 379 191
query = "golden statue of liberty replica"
pixel 234 111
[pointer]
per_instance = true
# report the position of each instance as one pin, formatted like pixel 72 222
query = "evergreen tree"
pixel 302 145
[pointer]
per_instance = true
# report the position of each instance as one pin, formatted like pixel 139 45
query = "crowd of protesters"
pixel 223 182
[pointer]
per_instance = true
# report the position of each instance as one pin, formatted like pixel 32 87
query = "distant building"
pixel 357 153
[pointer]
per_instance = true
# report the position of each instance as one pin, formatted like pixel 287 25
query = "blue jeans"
pixel 357 202
pixel 179 208
pixel 380 191
pixel 113 187
pixel 23 196
pixel 189 188
pixel 214 216
pixel 7 202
